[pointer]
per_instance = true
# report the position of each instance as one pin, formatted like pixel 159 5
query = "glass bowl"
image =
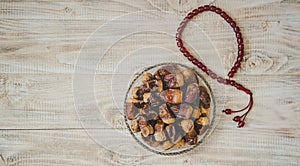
pixel 169 108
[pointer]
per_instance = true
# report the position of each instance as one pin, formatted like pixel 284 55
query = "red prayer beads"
pixel 239 119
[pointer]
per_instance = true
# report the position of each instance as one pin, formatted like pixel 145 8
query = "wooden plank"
pixel 61 40
pixel 65 147
pixel 80 10
pixel 27 103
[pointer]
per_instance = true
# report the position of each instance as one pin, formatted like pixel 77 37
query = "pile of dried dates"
pixel 170 108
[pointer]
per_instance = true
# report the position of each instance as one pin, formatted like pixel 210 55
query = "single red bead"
pixel 187 54
pixel 229 20
pixel 200 65
pixel 206 7
pixel 179 29
pixel 237 118
pixel 238 35
pixel 233 69
pixel 237 64
pixel 213 8
pixel 239 58
pixel 230 74
pixel 239 40
pixel 191 14
pixel 232 82
pixel 203 68
pixel 224 15
pixel 227 111
pixel 233 24
pixel 240 53
pixel 218 10
pixel 237 29
pixel 213 75
pixel 195 61
pixel 178 35
pixel 191 58
pixel 201 9
pixel 220 80
pixel 226 82
pixel 241 124
pixel 209 71
pixel 241 46
pixel 195 11
pixel 179 44
pixel 182 49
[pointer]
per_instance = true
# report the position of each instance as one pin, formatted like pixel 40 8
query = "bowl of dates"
pixel 169 108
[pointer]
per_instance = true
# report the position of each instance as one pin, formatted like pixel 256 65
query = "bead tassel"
pixel 239 119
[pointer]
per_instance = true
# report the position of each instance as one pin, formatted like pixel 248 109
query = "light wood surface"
pixel 41 43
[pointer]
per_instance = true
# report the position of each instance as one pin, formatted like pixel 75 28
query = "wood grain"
pixel 41 41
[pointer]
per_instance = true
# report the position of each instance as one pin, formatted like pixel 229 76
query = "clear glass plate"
pixel 189 109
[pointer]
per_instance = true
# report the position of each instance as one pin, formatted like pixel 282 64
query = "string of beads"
pixel 239 119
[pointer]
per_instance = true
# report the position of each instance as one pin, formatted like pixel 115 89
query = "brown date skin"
pixel 142 121
pixel 174 108
pixel 159 133
pixel 150 140
pixel 130 110
pixel 185 111
pixel 159 126
pixel 173 96
pixel 180 144
pixel 166 115
pixel 160 73
pixel 174 133
pixel 204 97
pixel 192 93
pixel 147 130
pixel 166 145
pixel 189 76
pixel 196 113
pixel 154 100
pixel 141 105
pixel 201 125
pixel 140 94
pixel 134 126
pixel 151 115
pixel 170 81
pixel 147 77
pixel 170 69
pixel 191 138
pixel 187 125
pixel 134 93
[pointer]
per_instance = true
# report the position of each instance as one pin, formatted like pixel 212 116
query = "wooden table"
pixel 42 43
